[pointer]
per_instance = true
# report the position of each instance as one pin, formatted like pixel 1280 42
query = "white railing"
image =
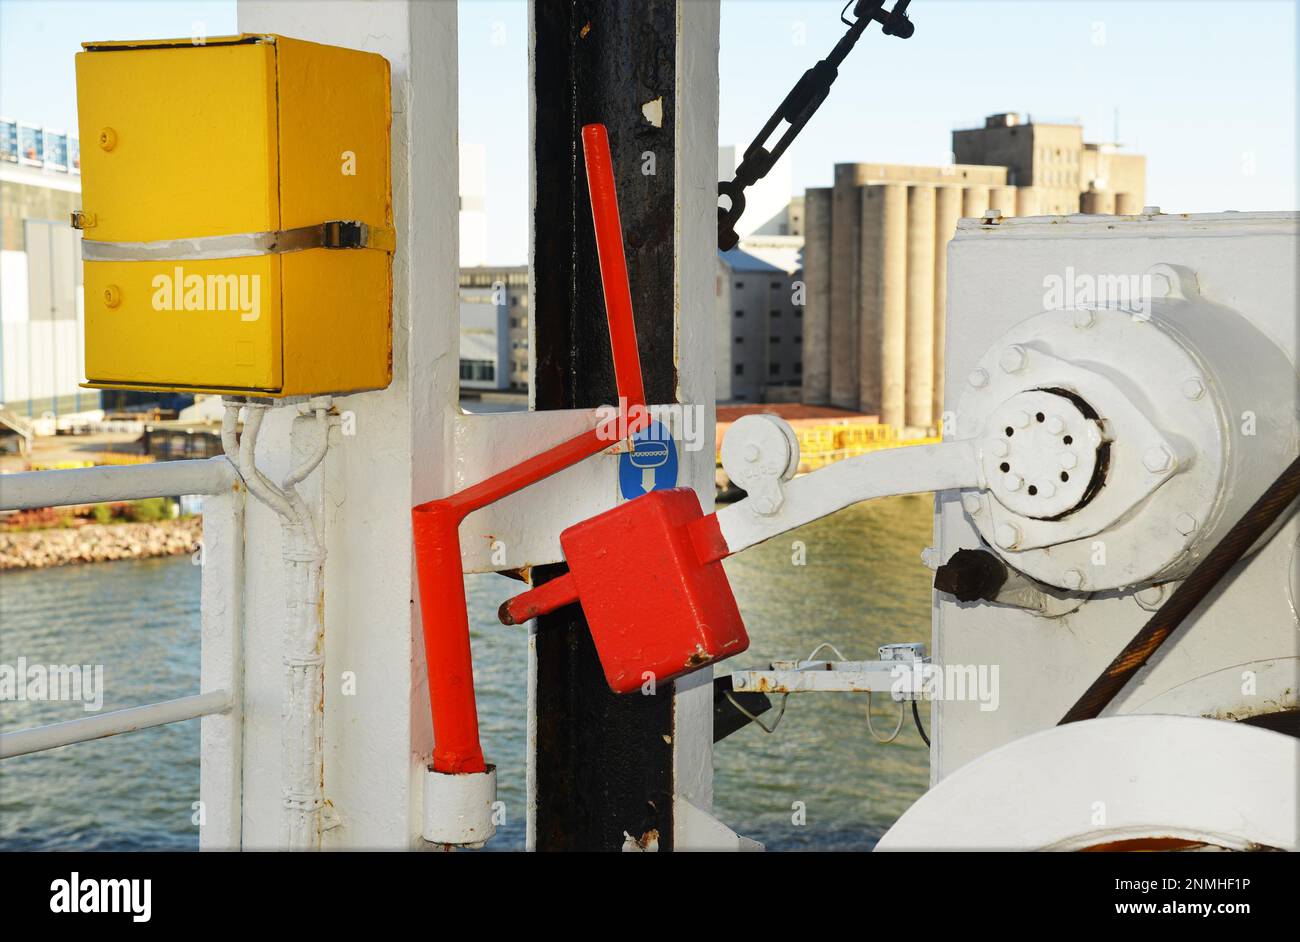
pixel 55 735
pixel 221 554
pixel 31 489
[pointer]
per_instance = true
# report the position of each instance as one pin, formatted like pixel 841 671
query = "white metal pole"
pixel 129 482
pixel 696 169
pixel 221 654
pixel 111 724
pixel 394 454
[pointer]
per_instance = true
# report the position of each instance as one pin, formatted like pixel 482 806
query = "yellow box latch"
pixel 237 224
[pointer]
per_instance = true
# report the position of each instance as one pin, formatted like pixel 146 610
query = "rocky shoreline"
pixel 93 543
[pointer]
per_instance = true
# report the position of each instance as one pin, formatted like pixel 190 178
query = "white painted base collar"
pixel 458 807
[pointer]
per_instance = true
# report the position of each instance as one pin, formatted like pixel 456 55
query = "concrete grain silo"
pixel 919 386
pixel 846 224
pixel 1127 204
pixel 875 254
pixel 817 274
pixel 947 210
pixel 893 304
pixel 1003 199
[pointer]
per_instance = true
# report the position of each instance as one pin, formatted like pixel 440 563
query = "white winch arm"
pixel 914 469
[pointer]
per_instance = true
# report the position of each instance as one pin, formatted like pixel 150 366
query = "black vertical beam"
pixel 603 761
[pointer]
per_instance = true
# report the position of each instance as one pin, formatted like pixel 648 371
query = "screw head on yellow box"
pixel 112 296
pixel 107 138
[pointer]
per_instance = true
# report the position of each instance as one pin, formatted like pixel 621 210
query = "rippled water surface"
pixel 818 782
pixel 140 619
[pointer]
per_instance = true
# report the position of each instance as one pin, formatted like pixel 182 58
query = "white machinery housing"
pixel 1119 434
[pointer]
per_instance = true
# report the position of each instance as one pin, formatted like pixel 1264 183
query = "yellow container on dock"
pixel 864 436
pixel 236 216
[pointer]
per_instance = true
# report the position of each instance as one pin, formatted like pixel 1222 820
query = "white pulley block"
pixel 759 453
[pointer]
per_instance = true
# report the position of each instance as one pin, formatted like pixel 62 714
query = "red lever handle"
pixel 613 264
pixel 436 524
pixel 543 600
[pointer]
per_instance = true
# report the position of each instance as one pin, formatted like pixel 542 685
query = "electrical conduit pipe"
pixel 302 756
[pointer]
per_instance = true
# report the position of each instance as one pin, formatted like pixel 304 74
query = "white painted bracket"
pixel 913 469
pixel 523 529
pixel 699 830
pixel 905 680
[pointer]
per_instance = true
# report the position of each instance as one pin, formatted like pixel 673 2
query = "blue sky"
pixel 1206 90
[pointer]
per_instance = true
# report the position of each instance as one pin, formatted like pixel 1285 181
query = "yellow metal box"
pixel 236 215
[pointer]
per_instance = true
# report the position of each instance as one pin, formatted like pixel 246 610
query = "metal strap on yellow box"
pixel 338 234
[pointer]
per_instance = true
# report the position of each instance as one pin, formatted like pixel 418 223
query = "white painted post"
pixel 377 738
pixel 221 752
pixel 697 239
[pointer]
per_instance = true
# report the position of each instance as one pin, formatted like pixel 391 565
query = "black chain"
pixel 800 105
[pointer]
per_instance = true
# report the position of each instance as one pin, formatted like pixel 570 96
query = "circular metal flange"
pixel 1041 455
pixel 1148 445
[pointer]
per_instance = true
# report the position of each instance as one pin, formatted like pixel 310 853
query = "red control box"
pixel 652 605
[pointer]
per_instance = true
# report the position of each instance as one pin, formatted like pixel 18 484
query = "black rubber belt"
pixel 1187 596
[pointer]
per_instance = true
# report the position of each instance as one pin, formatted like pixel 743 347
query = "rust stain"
pixel 1146 844
pixel 1166 844
pixel 698 657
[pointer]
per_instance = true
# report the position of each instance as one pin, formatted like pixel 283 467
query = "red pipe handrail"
pixel 436 524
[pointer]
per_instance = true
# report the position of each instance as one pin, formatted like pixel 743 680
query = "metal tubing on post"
pixel 302 757
pixel 436 524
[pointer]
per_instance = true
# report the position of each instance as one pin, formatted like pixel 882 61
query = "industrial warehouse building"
pixel 41 351
pixel 494 327
pixel 757 357
pixel 875 252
